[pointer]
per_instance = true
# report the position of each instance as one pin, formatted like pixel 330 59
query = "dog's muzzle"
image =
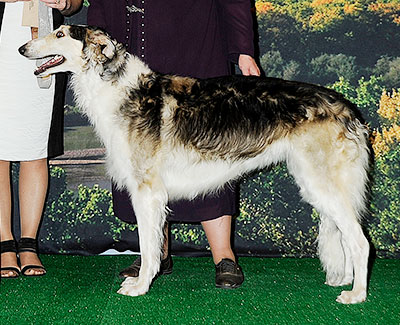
pixel 52 62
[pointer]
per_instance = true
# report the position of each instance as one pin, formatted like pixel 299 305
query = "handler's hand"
pixel 13 0
pixel 248 65
pixel 57 4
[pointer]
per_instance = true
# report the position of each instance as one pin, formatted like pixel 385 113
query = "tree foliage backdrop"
pixel 350 46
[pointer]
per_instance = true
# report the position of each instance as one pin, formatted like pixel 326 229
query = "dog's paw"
pixel 338 279
pixel 133 286
pixel 133 290
pixel 352 297
pixel 129 281
pixel 339 282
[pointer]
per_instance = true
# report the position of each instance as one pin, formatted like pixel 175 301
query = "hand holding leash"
pixel 13 0
pixel 57 4
pixel 248 65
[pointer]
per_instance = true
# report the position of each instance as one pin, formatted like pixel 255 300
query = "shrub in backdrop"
pixel 365 95
pixel 330 67
pixel 273 65
pixel 388 68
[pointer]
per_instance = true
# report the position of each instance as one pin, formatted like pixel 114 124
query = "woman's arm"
pixel 239 28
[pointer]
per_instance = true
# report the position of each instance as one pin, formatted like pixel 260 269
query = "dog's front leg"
pixel 149 203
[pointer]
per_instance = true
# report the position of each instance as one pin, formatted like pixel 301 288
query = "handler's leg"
pixel 33 182
pixel 9 257
pixel 228 273
pixel 218 233
pixel 5 201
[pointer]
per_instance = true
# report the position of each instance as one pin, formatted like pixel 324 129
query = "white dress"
pixel 25 109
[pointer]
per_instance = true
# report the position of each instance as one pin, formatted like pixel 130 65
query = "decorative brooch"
pixel 133 9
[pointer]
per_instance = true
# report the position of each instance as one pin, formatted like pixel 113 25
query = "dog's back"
pixel 222 115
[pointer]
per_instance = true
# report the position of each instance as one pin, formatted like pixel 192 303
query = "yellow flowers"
pixel 324 17
pixel 263 7
pixel 381 142
pixel 389 106
pixel 389 109
pixel 390 9
pixel 327 12
pixel 350 9
pixel 316 14
pixel 319 3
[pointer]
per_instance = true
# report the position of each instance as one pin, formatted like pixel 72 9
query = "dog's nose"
pixel 22 49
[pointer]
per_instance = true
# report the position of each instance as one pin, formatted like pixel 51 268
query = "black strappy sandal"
pixel 9 246
pixel 29 245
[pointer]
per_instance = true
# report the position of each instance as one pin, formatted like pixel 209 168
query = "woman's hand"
pixel 248 65
pixel 57 4
pixel 13 0
pixel 66 7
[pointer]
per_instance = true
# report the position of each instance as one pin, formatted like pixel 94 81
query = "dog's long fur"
pixel 170 137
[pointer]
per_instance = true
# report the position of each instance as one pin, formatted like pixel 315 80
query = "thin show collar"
pixel 133 9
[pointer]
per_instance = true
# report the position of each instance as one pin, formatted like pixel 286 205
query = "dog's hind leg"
pixel 331 173
pixel 149 201
pixel 353 248
pixel 334 254
pixel 358 247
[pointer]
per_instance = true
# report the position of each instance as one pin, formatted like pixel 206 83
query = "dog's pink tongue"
pixel 39 70
pixel 58 59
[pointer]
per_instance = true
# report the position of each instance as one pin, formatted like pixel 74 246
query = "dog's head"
pixel 74 48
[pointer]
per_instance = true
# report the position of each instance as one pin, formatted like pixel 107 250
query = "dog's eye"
pixel 59 34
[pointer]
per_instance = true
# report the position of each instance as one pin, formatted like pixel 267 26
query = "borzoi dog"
pixel 169 137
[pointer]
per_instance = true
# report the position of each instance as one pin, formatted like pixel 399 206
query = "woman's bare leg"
pixel 33 183
pixel 7 259
pixel 218 233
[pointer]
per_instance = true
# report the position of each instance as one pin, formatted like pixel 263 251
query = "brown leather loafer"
pixel 133 270
pixel 228 274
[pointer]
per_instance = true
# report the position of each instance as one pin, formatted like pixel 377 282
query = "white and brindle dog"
pixel 170 137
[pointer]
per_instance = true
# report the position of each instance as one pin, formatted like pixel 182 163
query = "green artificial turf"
pixel 82 290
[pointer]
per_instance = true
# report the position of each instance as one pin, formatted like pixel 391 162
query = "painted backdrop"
pixel 352 46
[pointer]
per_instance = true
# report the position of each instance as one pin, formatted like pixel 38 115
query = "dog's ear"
pixel 106 45
pixel 108 49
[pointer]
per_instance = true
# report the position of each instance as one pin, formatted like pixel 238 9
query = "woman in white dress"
pixel 30 116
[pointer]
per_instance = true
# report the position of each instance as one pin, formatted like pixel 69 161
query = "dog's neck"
pixel 98 96
pixel 90 84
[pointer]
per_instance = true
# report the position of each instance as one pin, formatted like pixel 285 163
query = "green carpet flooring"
pixel 82 290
